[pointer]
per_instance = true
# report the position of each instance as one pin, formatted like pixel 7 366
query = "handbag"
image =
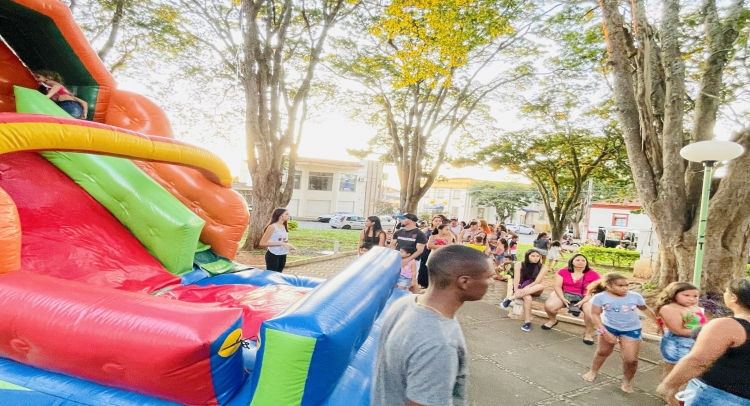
pixel 574 298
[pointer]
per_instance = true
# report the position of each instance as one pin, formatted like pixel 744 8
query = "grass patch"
pixel 312 242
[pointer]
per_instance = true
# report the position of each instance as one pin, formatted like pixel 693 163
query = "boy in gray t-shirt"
pixel 421 357
pixel 421 350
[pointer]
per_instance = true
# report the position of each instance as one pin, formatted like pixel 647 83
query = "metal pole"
pixel 707 175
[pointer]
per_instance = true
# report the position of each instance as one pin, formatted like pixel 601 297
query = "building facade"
pixel 622 217
pixel 451 196
pixel 324 186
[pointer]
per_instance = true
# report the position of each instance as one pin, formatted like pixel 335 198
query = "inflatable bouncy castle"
pixel 117 285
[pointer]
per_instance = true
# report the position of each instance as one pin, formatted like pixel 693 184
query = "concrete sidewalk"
pixel 510 367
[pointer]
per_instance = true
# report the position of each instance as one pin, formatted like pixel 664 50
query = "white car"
pixel 520 228
pixel 347 222
pixel 327 217
pixel 387 221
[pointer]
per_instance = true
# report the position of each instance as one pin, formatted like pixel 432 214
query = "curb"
pixel 575 320
pixel 312 260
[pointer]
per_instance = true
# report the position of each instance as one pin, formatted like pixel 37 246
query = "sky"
pixel 329 135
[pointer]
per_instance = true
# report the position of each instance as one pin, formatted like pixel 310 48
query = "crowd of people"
pixel 422 357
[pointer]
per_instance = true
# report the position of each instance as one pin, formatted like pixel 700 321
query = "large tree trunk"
pixel 669 188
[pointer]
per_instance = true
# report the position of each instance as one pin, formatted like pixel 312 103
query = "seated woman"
pixel 527 283
pixel 571 285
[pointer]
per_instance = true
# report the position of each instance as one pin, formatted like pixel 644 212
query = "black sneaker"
pixel 505 304
pixel 526 327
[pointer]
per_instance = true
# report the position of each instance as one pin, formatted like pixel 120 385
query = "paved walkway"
pixel 510 367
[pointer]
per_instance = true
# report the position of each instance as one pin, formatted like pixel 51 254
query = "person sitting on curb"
pixel 571 285
pixel 527 283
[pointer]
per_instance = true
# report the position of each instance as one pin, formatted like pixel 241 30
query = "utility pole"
pixel 585 208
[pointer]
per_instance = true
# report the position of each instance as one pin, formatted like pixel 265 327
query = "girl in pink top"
pixel 571 285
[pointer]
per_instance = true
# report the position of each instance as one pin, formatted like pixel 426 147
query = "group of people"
pixel 422 358
pixel 415 244
pixel 422 354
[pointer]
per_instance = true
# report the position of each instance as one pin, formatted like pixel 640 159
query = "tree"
pixel 559 161
pixel 143 33
pixel 505 197
pixel 422 75
pixel 271 50
pixel 662 108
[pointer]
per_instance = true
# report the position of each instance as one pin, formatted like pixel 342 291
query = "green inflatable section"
pixel 167 228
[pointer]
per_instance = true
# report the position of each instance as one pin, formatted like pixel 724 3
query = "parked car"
pixel 327 217
pixel 348 222
pixel 387 221
pixel 520 228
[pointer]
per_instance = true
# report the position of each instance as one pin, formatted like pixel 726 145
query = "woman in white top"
pixel 276 238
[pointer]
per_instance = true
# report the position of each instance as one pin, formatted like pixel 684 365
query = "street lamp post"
pixel 708 153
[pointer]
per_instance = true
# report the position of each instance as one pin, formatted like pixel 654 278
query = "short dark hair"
pixel 411 216
pixel 447 264
pixel 739 288
pixel 408 249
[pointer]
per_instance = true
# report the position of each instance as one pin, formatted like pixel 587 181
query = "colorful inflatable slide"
pixel 116 241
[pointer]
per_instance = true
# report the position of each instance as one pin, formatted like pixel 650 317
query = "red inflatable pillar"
pixel 10 234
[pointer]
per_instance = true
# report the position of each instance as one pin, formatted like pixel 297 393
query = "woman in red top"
pixel 571 285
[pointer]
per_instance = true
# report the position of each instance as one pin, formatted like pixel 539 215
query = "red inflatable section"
pixel 258 304
pixel 77 329
pixel 69 235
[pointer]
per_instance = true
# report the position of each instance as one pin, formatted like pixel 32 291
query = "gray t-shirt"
pixel 421 357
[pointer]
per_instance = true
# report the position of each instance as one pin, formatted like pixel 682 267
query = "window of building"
pixel 247 194
pixel 456 194
pixel 320 181
pixel 297 179
pixel 440 194
pixel 348 183
pixel 620 220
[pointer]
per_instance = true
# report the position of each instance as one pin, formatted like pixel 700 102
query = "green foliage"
pixel 423 67
pixel 610 256
pixel 505 197
pixel 383 208
pixel 292 225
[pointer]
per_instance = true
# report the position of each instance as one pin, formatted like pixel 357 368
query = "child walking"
pixel 408 277
pixel 614 314
pixel 554 254
pixel 678 313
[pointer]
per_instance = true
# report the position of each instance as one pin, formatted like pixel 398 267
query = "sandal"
pixel 544 326
pixel 588 342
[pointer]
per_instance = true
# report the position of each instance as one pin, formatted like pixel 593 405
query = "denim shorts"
pixel 71 107
pixel 708 395
pixel 499 257
pixel 674 347
pixel 634 334
pixel 403 281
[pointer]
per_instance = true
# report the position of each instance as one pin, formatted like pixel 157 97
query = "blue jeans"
pixel 72 107
pixel 708 395
pixel 674 347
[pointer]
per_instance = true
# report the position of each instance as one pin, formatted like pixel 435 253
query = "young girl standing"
pixel 554 254
pixel 276 238
pixel 678 314
pixel 408 277
pixel 614 314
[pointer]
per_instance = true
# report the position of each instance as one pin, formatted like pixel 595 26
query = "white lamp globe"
pixel 716 151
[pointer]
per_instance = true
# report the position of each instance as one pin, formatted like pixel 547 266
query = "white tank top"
pixel 279 234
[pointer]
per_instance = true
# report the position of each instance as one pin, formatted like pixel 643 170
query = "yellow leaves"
pixel 431 38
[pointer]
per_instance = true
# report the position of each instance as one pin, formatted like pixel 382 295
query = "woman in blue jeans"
pixel 718 365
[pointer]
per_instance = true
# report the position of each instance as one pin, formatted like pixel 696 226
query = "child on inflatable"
pixel 49 84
